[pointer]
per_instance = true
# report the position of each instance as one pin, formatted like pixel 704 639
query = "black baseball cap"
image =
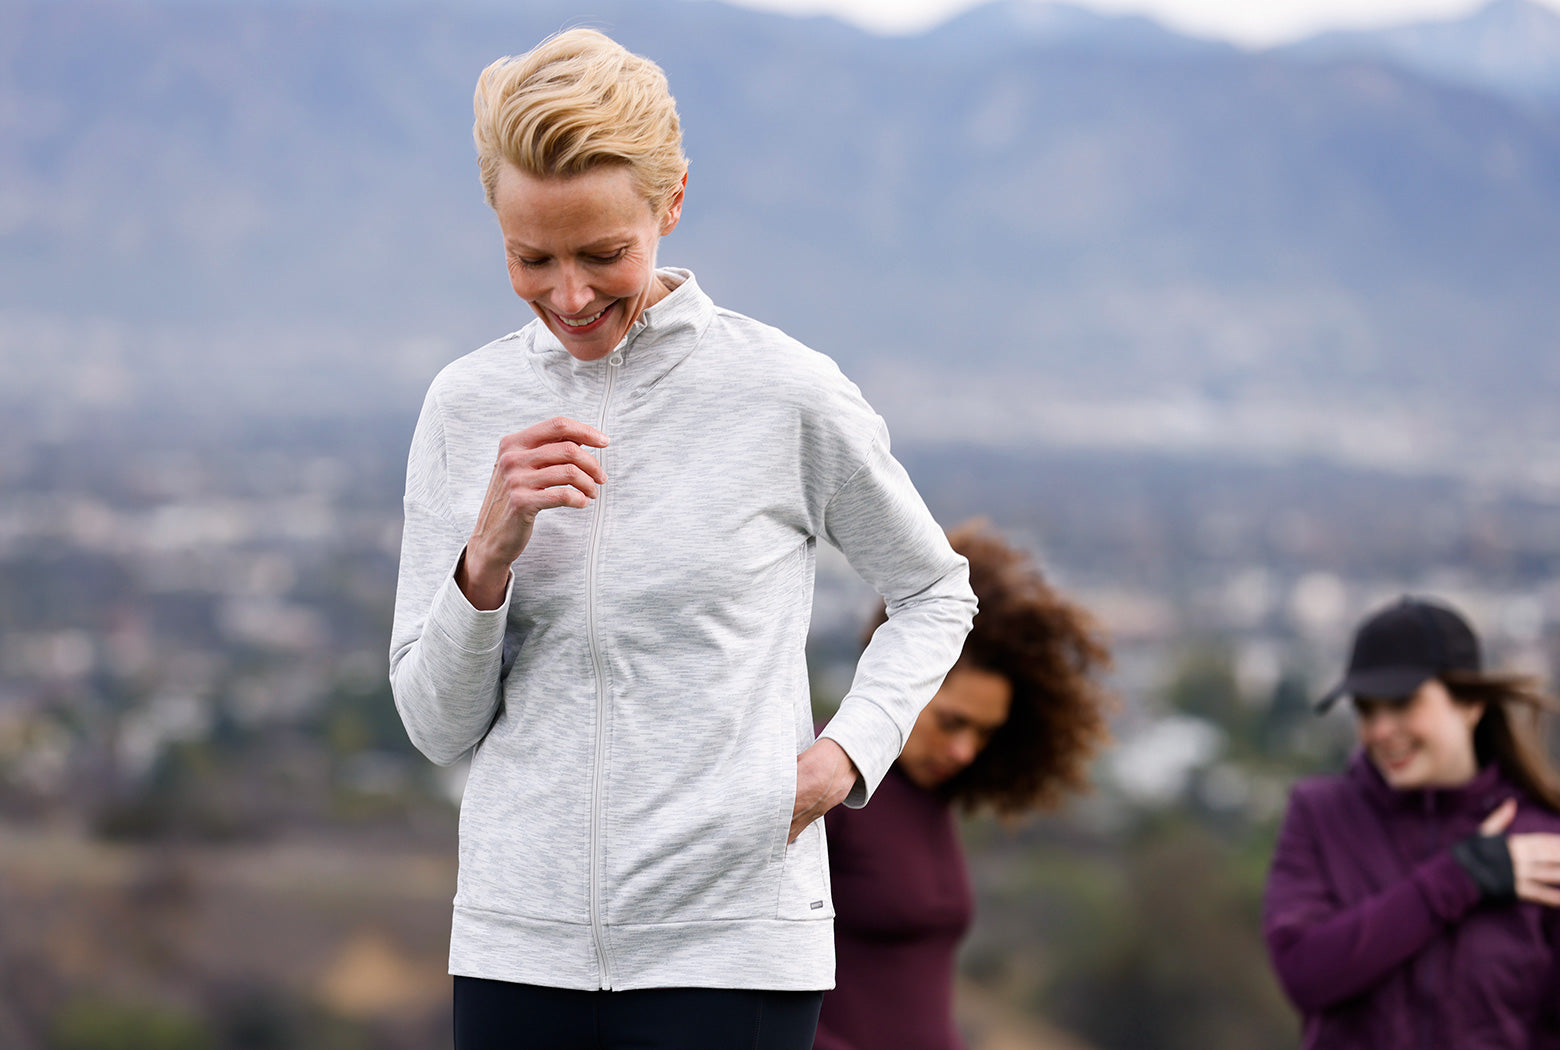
pixel 1399 648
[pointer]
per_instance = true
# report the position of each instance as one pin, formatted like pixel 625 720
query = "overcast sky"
pixel 1251 22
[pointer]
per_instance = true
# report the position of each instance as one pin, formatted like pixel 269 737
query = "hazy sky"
pixel 1252 22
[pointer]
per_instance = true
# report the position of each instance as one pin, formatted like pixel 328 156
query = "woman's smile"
pixel 583 323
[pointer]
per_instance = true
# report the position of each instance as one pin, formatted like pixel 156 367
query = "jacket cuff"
pixel 871 739
pixel 1447 888
pixel 471 629
pixel 1487 860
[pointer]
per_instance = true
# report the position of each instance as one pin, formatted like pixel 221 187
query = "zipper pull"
pixel 616 358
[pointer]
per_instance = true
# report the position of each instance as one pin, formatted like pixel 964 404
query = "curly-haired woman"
pixel 1012 729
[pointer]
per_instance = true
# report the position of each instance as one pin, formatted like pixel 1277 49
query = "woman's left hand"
pixel 1535 857
pixel 824 776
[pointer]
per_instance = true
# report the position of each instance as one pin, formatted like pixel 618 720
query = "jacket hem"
pixel 781 955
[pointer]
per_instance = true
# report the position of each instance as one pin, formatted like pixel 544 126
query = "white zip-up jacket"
pixel 637 704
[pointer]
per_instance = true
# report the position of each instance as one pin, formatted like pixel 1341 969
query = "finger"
pixel 560 428
pixel 521 501
pixel 569 452
pixel 1537 866
pixel 1535 851
pixel 1539 893
pixel 517 460
pixel 1499 820
pixel 1538 872
pixel 523 504
pixel 1539 847
pixel 565 475
pixel 555 496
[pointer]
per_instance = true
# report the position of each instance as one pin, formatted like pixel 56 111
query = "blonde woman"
pixel 605 584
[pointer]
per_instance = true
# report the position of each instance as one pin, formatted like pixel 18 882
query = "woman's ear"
pixel 1471 713
pixel 674 209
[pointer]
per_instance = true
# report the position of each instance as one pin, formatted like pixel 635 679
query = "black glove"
pixel 1487 860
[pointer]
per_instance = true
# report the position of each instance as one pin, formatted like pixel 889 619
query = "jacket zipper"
pixel 598 932
pixel 1429 1031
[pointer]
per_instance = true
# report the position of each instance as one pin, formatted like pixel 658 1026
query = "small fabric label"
pixel 815 905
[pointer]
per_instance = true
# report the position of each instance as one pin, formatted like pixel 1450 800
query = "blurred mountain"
pixel 259 204
pixel 1510 46
pixel 1022 24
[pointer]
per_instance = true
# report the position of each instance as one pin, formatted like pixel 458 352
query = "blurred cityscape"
pixel 214 833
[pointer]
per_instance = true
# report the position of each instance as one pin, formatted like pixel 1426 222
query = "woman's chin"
pixel 1403 775
pixel 928 778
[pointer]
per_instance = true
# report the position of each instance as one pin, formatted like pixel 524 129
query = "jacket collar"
pixel 656 342
pixel 1479 796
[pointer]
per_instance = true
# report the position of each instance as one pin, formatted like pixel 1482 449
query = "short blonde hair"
pixel 576 101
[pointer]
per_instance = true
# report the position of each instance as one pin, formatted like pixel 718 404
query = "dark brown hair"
pixel 1509 732
pixel 1052 651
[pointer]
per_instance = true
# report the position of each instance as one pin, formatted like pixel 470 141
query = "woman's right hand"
pixel 1535 857
pixel 540 467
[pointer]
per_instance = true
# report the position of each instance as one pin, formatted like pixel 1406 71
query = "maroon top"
pixel 1379 936
pixel 902 902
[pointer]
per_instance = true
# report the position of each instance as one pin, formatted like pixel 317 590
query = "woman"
pixel 605 584
pixel 1012 729
pixel 1413 900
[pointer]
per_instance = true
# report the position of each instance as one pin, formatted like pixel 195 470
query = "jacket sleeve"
pixel 444 653
pixel 877 519
pixel 1326 952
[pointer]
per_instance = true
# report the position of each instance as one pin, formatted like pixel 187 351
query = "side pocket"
pixel 804 880
pixel 786 805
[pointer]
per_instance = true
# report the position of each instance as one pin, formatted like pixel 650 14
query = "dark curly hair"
pixel 1052 651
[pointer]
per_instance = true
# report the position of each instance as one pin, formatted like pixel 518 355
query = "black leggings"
pixel 498 1015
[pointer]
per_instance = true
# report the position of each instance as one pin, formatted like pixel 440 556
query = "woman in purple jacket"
pixel 1414 901
pixel 1012 729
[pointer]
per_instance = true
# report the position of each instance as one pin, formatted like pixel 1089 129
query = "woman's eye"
pixel 530 264
pixel 610 257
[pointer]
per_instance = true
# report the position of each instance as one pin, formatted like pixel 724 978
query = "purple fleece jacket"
pixel 1378 935
pixel 903 902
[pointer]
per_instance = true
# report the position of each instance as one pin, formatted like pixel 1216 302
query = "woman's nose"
pixel 573 293
pixel 1374 725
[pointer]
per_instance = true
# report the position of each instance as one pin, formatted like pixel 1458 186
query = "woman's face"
pixel 1422 742
pixel 956 726
pixel 581 252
